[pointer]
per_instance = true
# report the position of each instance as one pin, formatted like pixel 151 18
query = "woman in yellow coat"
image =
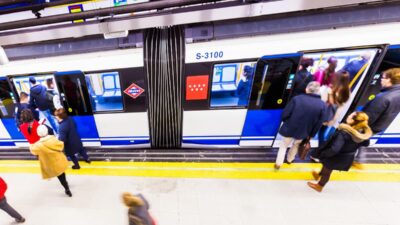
pixel 53 162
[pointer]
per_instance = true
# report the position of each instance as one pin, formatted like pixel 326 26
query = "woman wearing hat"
pixel 338 153
pixel 53 162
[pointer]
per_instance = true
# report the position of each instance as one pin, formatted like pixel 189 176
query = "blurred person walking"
pixel 340 150
pixel 5 206
pixel 138 213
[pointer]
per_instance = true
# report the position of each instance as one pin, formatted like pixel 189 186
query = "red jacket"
pixel 3 188
pixel 33 136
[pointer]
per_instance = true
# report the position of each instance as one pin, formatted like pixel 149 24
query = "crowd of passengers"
pixel 312 110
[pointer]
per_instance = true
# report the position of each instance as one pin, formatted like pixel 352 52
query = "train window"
pixel 7 103
pixel 105 91
pixel 22 84
pixel 231 84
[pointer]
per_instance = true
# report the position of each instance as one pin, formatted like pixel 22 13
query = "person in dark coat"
pixel 69 135
pixel 138 213
pixel 7 207
pixel 40 100
pixel 339 152
pixel 354 66
pixel 384 108
pixel 244 86
pixel 21 105
pixel 302 118
pixel 303 77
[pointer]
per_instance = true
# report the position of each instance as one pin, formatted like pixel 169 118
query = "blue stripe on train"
pixel 7 143
pixel 124 142
pixel 212 142
pixel 86 126
pixel 383 140
pixel 9 124
pixel 264 122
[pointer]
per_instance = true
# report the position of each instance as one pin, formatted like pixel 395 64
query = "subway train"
pixel 105 92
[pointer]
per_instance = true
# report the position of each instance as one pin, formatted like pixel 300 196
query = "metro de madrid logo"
pixel 134 90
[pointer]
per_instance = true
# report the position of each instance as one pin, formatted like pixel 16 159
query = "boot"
pixel 316 187
pixel 316 175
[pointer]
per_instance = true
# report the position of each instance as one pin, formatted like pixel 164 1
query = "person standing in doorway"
pixel 39 98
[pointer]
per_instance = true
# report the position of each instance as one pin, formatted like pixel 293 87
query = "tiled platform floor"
pixel 188 201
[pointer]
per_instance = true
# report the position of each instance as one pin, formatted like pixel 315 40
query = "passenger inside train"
pixel 231 84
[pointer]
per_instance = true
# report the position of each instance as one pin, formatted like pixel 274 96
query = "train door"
pixel 76 100
pixel 391 136
pixel 357 62
pixel 272 85
pixel 9 134
pixel 119 103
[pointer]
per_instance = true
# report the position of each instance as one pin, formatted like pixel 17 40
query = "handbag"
pixel 304 148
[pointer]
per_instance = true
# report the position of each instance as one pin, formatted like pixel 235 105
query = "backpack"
pixel 49 95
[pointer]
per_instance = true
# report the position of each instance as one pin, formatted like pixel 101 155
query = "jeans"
pixel 8 209
pixel 50 118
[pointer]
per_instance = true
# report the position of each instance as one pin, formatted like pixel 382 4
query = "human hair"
pixel 131 200
pixel 26 116
pixel 306 62
pixel 49 82
pixel 341 87
pixel 360 121
pixel 313 88
pixel 393 74
pixel 61 113
pixel 23 95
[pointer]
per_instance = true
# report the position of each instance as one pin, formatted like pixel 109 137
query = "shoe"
pixel 88 161
pixel 289 162
pixel 357 165
pixel 76 167
pixel 315 174
pixel 316 187
pixel 277 167
pixel 22 220
pixel 68 192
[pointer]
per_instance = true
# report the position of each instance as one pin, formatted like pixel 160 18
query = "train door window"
pixel 22 83
pixel 7 102
pixel 231 84
pixel 273 82
pixel 105 91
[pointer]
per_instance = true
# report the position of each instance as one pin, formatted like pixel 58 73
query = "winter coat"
pixel 38 98
pixel 3 188
pixel 32 137
pixel 52 160
pixel 303 116
pixel 303 77
pixel 319 76
pixel 139 215
pixel 243 92
pixel 338 153
pixel 69 135
pixel 354 67
pixel 383 109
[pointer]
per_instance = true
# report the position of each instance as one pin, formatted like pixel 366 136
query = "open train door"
pixel 272 85
pixel 76 101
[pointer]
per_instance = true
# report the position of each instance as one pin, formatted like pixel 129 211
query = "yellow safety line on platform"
pixel 299 171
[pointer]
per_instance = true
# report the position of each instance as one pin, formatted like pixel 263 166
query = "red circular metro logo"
pixel 134 90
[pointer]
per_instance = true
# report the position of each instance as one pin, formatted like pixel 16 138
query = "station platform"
pixel 205 193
